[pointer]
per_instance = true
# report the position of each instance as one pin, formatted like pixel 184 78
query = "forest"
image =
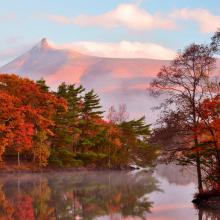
pixel 41 128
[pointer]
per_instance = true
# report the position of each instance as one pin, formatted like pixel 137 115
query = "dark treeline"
pixel 66 128
pixel 189 126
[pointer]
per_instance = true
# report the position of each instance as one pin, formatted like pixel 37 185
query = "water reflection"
pixel 97 195
pixel 209 215
pixel 85 195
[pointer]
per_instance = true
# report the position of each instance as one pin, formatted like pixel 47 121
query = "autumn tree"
pixel 209 135
pixel 30 110
pixel 8 120
pixel 184 86
pixel 41 149
pixel 118 116
pixel 133 139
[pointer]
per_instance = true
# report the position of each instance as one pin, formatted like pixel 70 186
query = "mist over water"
pixel 163 194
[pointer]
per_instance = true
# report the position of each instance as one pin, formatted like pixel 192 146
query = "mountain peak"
pixel 44 43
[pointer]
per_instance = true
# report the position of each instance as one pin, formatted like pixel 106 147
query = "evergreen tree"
pixel 43 85
pixel 90 116
pixel 67 123
pixel 136 149
pixel 91 106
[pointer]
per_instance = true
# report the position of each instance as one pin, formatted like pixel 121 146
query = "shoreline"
pixel 56 169
pixel 209 201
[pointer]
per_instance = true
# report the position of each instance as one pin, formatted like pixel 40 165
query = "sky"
pixel 133 28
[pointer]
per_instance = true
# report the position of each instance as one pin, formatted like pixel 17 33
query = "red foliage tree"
pixel 26 110
pixel 209 131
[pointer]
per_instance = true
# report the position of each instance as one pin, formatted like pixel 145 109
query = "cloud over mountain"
pixel 122 49
pixel 130 16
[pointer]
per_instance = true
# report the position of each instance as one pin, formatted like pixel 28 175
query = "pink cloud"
pixel 129 16
pixel 207 21
pixel 133 17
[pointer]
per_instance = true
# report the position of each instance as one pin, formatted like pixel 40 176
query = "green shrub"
pixel 55 162
pixel 91 158
pixel 74 163
pixel 63 157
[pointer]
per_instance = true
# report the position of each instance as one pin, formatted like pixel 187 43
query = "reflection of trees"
pixel 29 197
pixel 208 214
pixel 84 194
pixel 42 195
pixel 99 193
pixel 24 207
pixel 183 175
pixel 6 207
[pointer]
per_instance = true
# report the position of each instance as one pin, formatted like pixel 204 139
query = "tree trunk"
pixel 34 159
pixel 196 142
pixel 199 173
pixel 198 166
pixel 218 156
pixel 19 163
pixel 218 169
pixel 74 148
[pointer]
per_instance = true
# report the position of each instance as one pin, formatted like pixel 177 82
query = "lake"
pixel 164 194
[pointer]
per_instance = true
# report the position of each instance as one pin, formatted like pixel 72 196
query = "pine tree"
pixel 67 123
pixel 43 85
pixel 91 106
pixel 136 148
pixel 91 113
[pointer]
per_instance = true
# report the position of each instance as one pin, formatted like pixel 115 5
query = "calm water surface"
pixel 165 194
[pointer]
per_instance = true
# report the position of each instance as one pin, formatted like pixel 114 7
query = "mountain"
pixel 117 80
pixel 48 61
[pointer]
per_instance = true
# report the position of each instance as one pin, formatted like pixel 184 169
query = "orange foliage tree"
pixel 27 109
pixel 209 133
pixel 210 124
